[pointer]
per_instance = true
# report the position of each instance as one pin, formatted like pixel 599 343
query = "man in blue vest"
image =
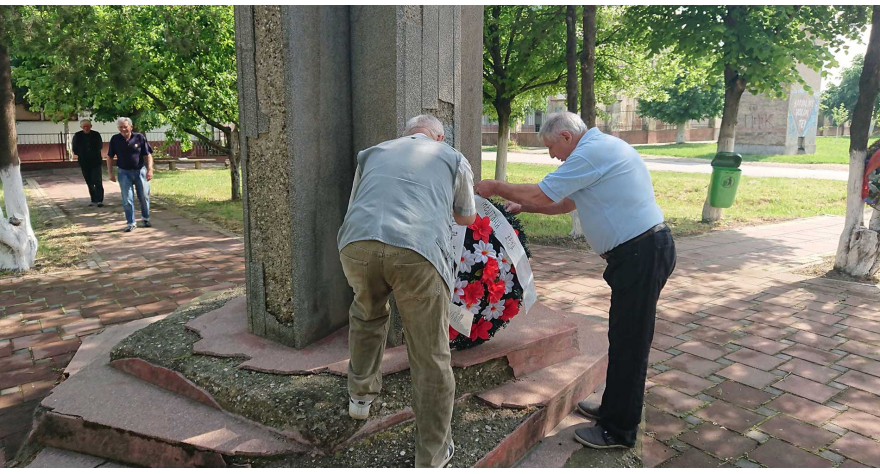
pixel 134 158
pixel 607 182
pixel 396 237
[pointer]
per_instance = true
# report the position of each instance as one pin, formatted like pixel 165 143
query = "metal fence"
pixel 159 141
pixel 54 146
pixel 629 121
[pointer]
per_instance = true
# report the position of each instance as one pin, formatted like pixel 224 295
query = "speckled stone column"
pixel 316 85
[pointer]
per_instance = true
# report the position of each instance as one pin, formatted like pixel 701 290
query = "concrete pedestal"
pixel 316 85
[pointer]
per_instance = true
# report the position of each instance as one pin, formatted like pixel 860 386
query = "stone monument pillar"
pixel 780 126
pixel 316 85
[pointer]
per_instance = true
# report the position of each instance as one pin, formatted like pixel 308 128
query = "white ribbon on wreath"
pixel 461 319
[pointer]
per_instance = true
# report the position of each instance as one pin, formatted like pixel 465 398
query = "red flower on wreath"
pixel 496 290
pixel 452 333
pixel 481 228
pixel 473 292
pixel 480 329
pixel 511 309
pixel 490 271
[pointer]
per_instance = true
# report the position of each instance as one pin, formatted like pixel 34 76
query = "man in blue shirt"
pixel 134 158
pixel 607 182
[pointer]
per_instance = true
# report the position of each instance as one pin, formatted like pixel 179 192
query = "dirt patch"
pixel 476 430
pixel 312 405
pixel 825 269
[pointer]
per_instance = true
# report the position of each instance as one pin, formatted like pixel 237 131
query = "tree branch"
pixel 542 84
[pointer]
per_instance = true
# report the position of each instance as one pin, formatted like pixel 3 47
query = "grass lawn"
pixel 828 150
pixel 681 197
pixel 206 193
pixel 60 244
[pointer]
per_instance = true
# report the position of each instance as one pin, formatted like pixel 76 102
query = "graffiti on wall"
pixel 803 108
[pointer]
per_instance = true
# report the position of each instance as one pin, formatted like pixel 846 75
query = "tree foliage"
pixel 160 64
pixel 763 44
pixel 753 47
pixel 846 92
pixel 685 104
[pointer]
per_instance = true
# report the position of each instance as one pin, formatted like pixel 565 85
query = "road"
pixel 695 165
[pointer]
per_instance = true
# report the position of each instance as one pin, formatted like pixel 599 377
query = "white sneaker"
pixel 359 410
pixel 449 454
pixel 91 204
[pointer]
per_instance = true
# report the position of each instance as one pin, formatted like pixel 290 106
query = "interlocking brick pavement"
pixel 716 396
pixel 126 276
pixel 790 363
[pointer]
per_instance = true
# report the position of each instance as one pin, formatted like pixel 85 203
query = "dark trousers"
pixel 636 273
pixel 95 182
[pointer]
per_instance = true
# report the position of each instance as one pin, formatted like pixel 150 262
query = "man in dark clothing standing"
pixel 87 148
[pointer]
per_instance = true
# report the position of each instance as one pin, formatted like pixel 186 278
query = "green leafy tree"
pixel 18 243
pixel 753 47
pixel 858 250
pixel 160 64
pixel 839 117
pixel 523 51
pixel 684 105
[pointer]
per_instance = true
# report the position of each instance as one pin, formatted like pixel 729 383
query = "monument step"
pixel 103 412
pixel 530 342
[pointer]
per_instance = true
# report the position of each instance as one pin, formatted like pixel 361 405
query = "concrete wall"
pixel 780 126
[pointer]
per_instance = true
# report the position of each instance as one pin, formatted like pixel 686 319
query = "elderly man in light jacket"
pixel 396 237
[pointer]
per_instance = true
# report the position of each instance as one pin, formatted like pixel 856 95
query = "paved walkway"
pixel 695 165
pixel 129 276
pixel 751 363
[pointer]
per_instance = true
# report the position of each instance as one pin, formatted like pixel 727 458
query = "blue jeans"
pixel 138 179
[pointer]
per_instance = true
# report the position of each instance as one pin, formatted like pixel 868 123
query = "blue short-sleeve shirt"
pixel 129 153
pixel 611 187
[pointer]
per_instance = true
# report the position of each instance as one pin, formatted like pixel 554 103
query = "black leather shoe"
pixel 596 437
pixel 589 409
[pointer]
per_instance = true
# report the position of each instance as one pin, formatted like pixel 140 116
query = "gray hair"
pixel 556 123
pixel 427 122
pixel 124 119
pixel 85 121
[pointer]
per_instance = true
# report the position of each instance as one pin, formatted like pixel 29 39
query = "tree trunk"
pixel 234 156
pixel 588 91
pixel 679 132
pixel 18 244
pixel 571 59
pixel 858 251
pixel 503 109
pixel 734 88
pixel 588 66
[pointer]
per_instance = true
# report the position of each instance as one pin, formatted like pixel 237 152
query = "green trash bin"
pixel 725 179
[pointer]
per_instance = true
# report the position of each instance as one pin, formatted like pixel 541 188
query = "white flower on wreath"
pixel 493 310
pixel 504 262
pixel 482 252
pixel 474 308
pixel 507 278
pixel 459 291
pixel 466 261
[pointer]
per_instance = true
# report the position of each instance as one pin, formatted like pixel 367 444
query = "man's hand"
pixel 149 174
pixel 112 176
pixel 486 188
pixel 513 207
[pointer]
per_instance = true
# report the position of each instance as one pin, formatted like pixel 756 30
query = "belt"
pixel 642 236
